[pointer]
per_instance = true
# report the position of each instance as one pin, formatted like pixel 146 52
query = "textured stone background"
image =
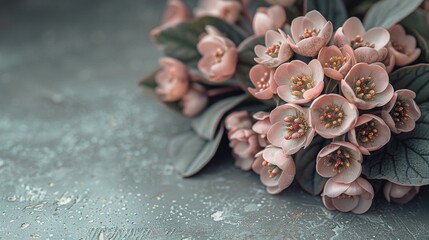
pixel 82 151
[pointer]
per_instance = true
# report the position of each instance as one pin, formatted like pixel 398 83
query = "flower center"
pixel 217 55
pixel 332 116
pixel 335 62
pixel 367 132
pixel 301 83
pixel 400 112
pixel 264 82
pixel 273 170
pixel 364 88
pixel 338 159
pixel 273 51
pixel 297 126
pixel 346 196
pixel 400 48
pixel 309 33
pixel 357 42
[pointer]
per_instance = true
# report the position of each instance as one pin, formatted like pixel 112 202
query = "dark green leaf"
pixel 305 161
pixel 332 10
pixel 387 13
pixel 405 159
pixel 415 78
pixel 206 124
pixel 191 153
pixel 148 81
pixel 422 44
pixel 246 56
pixel 246 50
pixel 180 41
pixel 417 22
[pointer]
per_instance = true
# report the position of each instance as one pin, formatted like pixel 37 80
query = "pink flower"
pixel 276 50
pixel 399 193
pixel 271 18
pixel 244 144
pixel 298 82
pixel 172 81
pixel 257 164
pixel 176 12
pixel 238 120
pixel 336 61
pixel 310 33
pixel 403 46
pixel 340 161
pixel 194 101
pixel 284 3
pixel 219 56
pixel 331 115
pixel 369 46
pixel 367 86
pixel 290 128
pixel 356 196
pixel 389 61
pixel 401 112
pixel 261 127
pixel 262 78
pixel 370 133
pixel 276 169
pixel 229 11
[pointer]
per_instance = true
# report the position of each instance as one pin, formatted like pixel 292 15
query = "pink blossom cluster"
pixel 218 60
pixel 328 82
pixel 357 117
pixel 174 83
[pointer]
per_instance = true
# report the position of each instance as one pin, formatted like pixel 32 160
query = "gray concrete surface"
pixel 82 151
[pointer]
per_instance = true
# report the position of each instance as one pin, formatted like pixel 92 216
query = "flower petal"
pixel 353 27
pixel 345 204
pixel 363 206
pixel 333 189
pixel 349 174
pixel 292 146
pixel 276 134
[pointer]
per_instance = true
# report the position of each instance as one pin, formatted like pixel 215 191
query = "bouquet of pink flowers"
pixel 302 92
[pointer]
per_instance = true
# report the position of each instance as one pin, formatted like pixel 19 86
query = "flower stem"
pixel 219 91
pixel 330 87
pixel 246 13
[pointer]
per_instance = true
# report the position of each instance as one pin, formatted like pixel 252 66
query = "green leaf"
pixel 246 56
pixel 191 153
pixel 206 124
pixel 415 78
pixel 417 22
pixel 180 41
pixel 332 10
pixel 422 44
pixel 148 81
pixel 387 13
pixel 405 159
pixel 305 161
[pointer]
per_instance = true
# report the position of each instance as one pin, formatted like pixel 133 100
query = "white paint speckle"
pixel 63 201
pixel 251 207
pixel 217 216
pixel 24 225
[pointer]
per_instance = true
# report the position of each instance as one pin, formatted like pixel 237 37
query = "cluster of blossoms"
pixel 219 54
pixel 329 82
pixel 358 117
